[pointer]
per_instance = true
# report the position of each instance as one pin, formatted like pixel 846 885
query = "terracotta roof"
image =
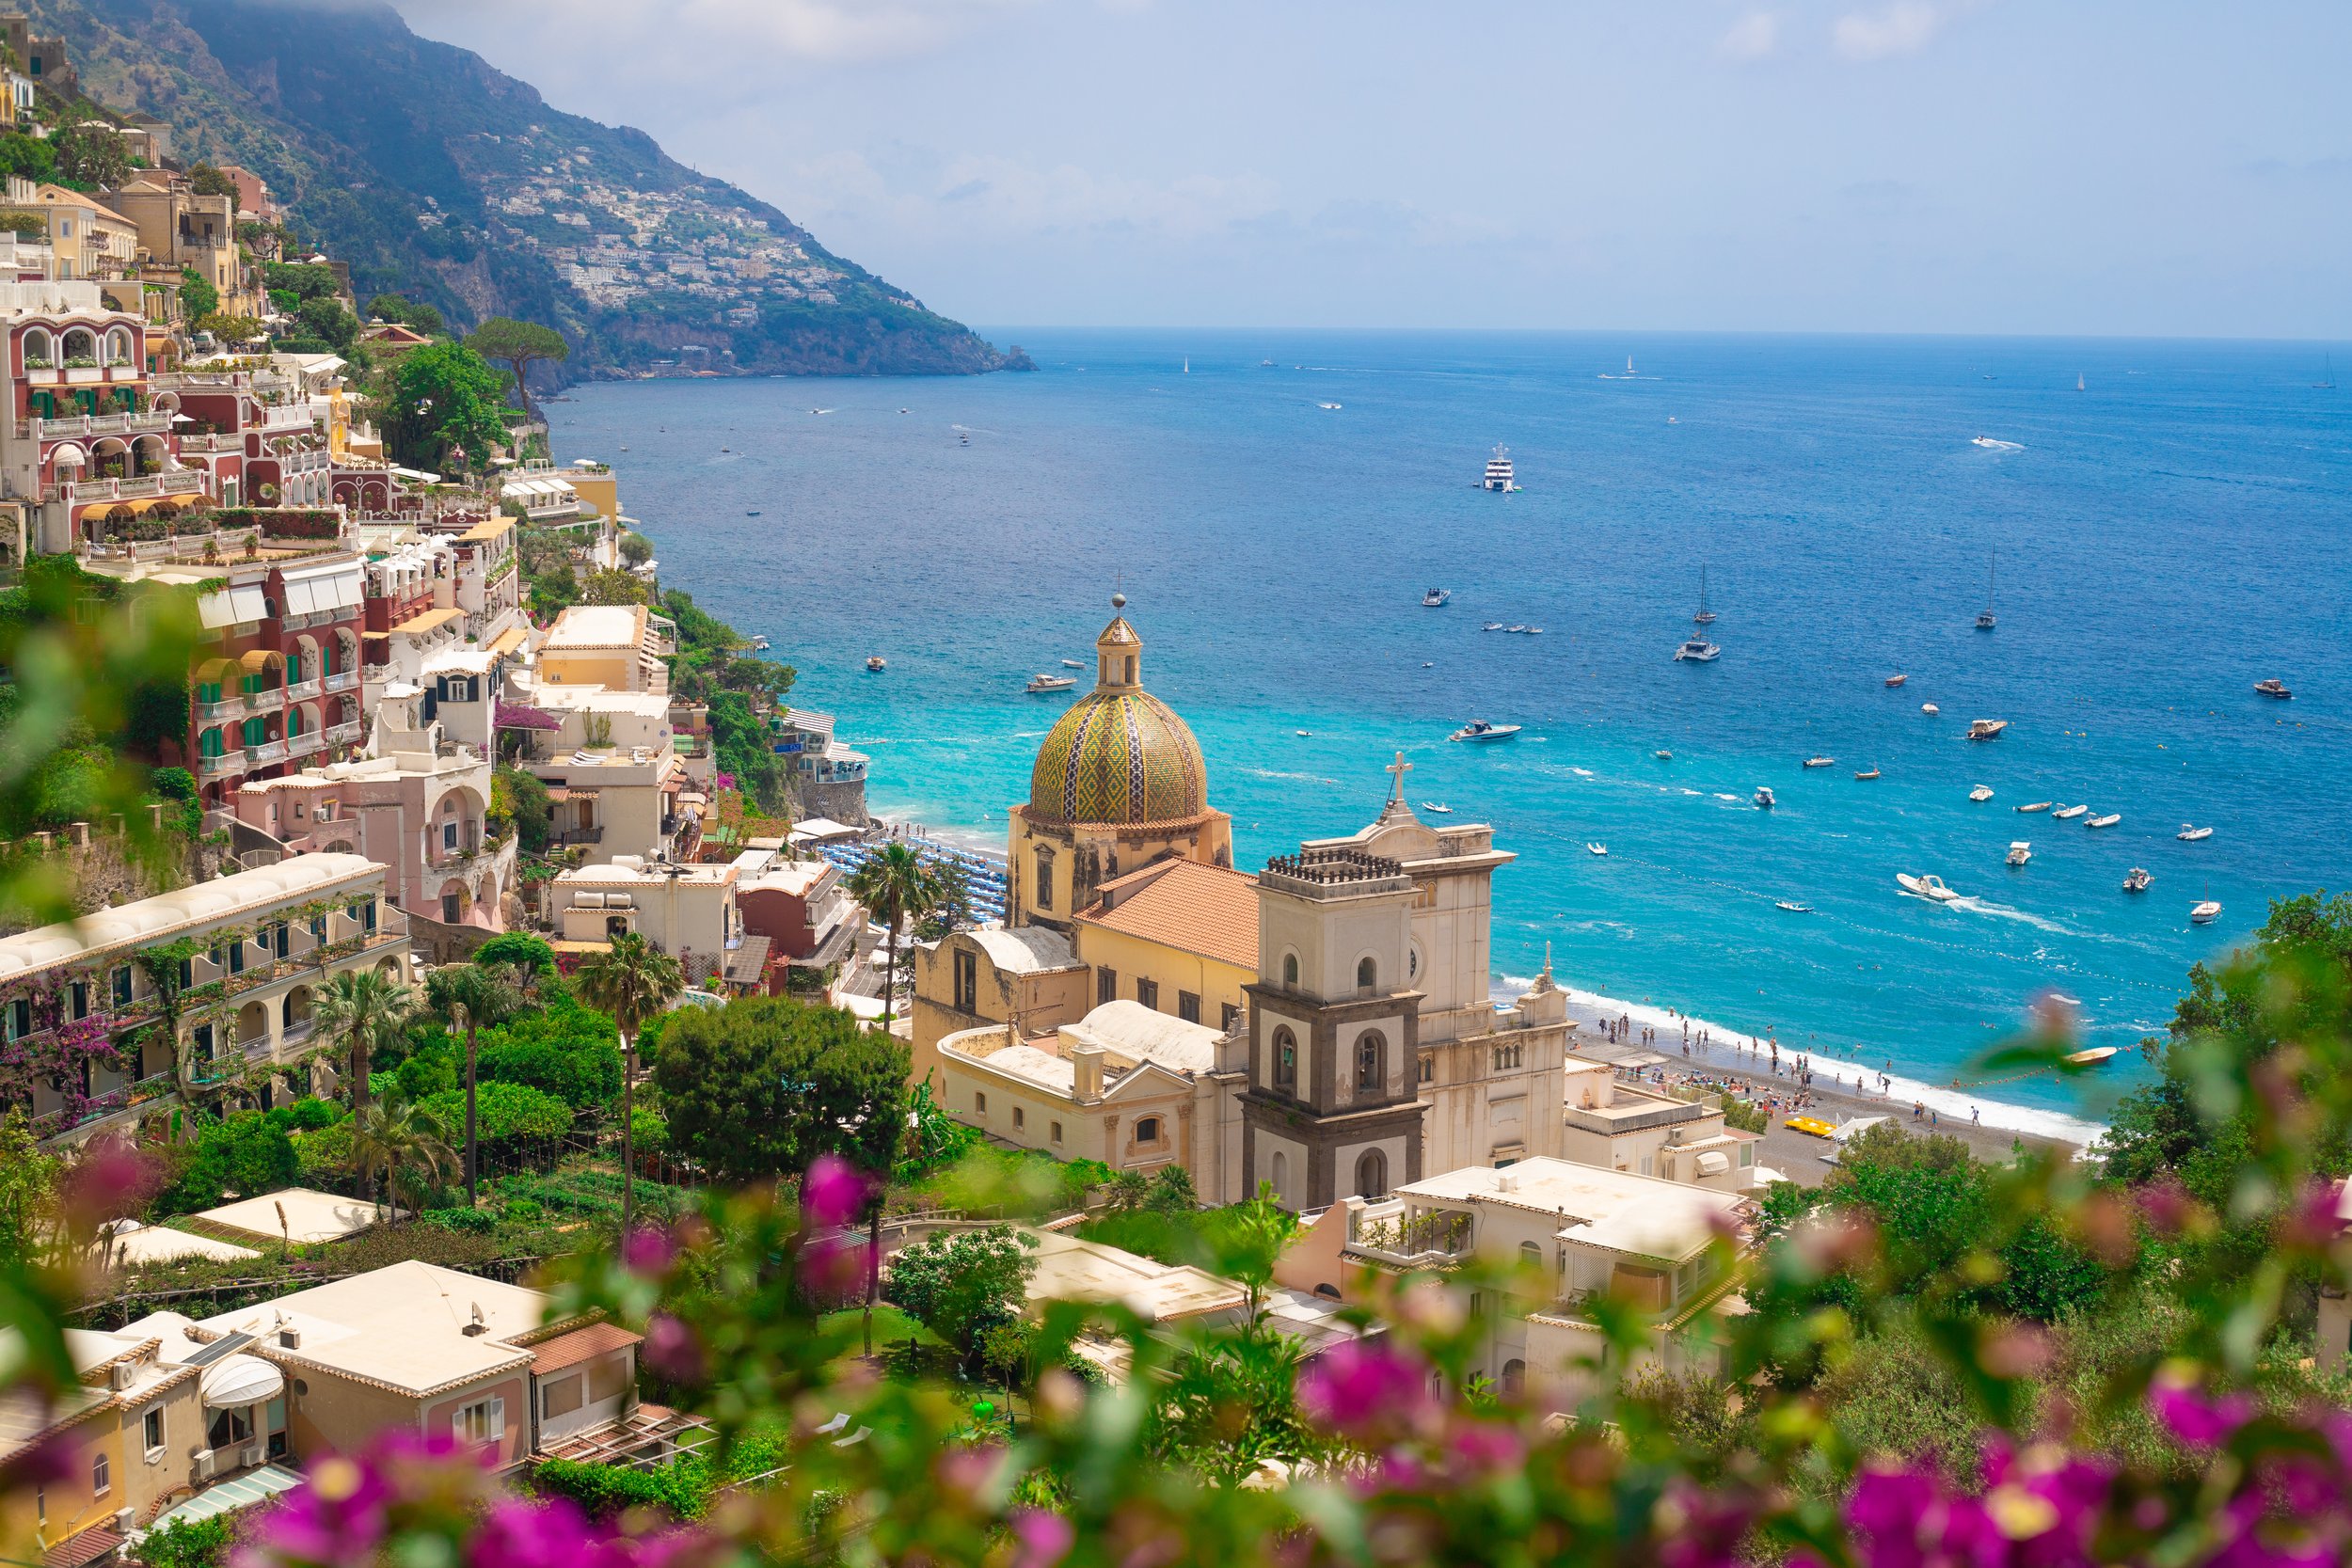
pixel 87 1546
pixel 1183 904
pixel 581 1344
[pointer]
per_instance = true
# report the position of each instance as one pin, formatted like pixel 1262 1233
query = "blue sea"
pixel 2165 537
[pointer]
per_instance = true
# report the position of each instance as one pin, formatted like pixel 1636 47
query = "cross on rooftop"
pixel 1399 769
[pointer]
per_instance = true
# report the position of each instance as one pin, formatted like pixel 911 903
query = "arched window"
pixel 1282 1174
pixel 1372 1174
pixel 1513 1377
pixel 1043 897
pixel 1148 1130
pixel 1285 1060
pixel 1367 975
pixel 1290 969
pixel 1131 669
pixel 1531 1255
pixel 1371 1062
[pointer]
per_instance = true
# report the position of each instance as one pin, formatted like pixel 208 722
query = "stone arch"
pixel 40 346
pixel 253 1023
pixel 1371 1062
pixel 294 1009
pixel 68 454
pixel 1290 970
pixel 79 343
pixel 346 493
pixel 110 452
pixel 1513 1377
pixel 1279 1173
pixel 453 902
pixel 373 498
pixel 342 847
pixel 1367 975
pixel 305 663
pixel 150 455
pixel 1372 1174
pixel 389 968
pixel 119 349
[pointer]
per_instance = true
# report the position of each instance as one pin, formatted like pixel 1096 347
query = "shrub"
pixel 469 1220
pixel 504 1112
pixel 247 1154
pixel 188 1543
pixel 324 1156
pixel 307 1115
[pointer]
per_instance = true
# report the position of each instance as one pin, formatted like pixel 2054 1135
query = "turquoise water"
pixel 2166 537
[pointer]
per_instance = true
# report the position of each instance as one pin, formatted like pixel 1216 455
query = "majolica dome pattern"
pixel 1120 755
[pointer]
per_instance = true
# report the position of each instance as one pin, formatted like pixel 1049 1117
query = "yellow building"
pixel 1178 937
pixel 613 646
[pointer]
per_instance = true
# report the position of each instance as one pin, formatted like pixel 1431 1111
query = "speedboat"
pixel 1764 797
pixel 1927 885
pixel 1437 808
pixel 1820 762
pixel 1986 729
pixel 1597 849
pixel 1534 631
pixel 2035 805
pixel 1478 729
pixel 1433 598
pixel 2137 881
pixel 2109 821
pixel 1663 757
pixel 759 642
pixel 2193 835
pixel 2068 814
pixel 1897 680
pixel 1930 709
pixel 1792 908
pixel 1697 650
pixel 1514 629
pixel 2204 913
pixel 876 665
pixel 1039 684
pixel 1868 774
pixel 1491 626
pixel 2097 1055
pixel 2020 852
pixel 1072 664
pixel 1980 794
pixel 2273 687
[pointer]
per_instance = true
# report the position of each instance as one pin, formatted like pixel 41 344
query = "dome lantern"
pixel 1119 652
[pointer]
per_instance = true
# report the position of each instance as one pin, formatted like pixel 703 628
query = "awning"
pixel 237 1381
pixel 256 660
pixel 510 640
pixel 227 1497
pixel 431 620
pixel 315 588
pixel 233 606
pixel 94 1544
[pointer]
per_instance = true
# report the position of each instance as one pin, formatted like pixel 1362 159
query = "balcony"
pixel 220 767
pixel 76 425
pixel 266 753
pixel 212 445
pixel 342 680
pixel 303 745
pixel 576 835
pixel 268 700
pixel 227 707
pixel 178 481
pixel 344 734
pixel 301 690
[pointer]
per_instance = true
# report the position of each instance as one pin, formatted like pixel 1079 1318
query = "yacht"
pixel 2204 913
pixel 1897 680
pixel 2193 835
pixel 1927 885
pixel 876 665
pixel 2273 687
pixel 1437 808
pixel 2137 881
pixel 1984 616
pixel 2020 852
pixel 1820 762
pixel 1478 729
pixel 1791 907
pixel 2068 814
pixel 1698 650
pixel 1929 709
pixel 1597 849
pixel 1704 617
pixel 1980 794
pixel 2109 821
pixel 1499 472
pixel 1072 664
pixel 1663 757
pixel 1868 774
pixel 1764 797
pixel 1039 684
pixel 2035 805
pixel 1986 729
pixel 1435 598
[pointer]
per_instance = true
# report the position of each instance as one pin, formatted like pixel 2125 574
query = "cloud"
pixel 1751 37
pixel 832 32
pixel 1904 28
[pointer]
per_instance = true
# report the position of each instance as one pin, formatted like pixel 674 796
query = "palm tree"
pixel 407 1144
pixel 896 885
pixel 633 980
pixel 468 996
pixel 367 1008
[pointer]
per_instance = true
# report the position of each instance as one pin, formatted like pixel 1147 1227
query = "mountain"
pixel 439 177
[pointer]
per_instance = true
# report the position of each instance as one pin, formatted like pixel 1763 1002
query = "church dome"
pixel 1119 755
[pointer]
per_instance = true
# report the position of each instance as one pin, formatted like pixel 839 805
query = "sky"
pixel 2043 166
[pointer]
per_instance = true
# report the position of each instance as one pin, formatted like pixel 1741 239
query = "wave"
pixel 1989 444
pixel 1583 772
pixel 1294 778
pixel 2005 911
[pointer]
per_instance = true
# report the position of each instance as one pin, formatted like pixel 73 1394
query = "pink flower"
pixel 833 1192
pixel 1354 1386
pixel 2194 1416
pixel 648 1251
pixel 672 1350
pixel 336 1516
pixel 1044 1538
pixel 521 1534
pixel 830 1268
pixel 1484 1448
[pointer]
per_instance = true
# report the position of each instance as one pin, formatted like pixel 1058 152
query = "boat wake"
pixel 1989 444
pixel 2004 912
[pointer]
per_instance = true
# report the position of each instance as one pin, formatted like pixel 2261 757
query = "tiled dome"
pixel 1119 755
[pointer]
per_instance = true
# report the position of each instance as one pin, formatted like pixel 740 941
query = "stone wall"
pixel 842 801
pixel 96 864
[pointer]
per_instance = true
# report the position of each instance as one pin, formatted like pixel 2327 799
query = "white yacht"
pixel 876 665
pixel 2020 852
pixel 2068 814
pixel 1820 762
pixel 1927 885
pixel 1764 797
pixel 1597 849
pixel 1980 794
pixel 1492 625
pixel 1499 472
pixel 2109 821
pixel 1049 683
pixel 759 642
pixel 1929 709
pixel 1478 729
pixel 1792 907
pixel 2204 913
pixel 1984 616
pixel 2193 835
pixel 1697 650
pixel 1663 757
pixel 1986 729
pixel 1437 808
pixel 1435 598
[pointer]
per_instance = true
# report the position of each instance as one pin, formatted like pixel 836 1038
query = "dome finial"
pixel 1119 601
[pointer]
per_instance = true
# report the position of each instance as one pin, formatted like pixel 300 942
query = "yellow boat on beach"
pixel 1814 1125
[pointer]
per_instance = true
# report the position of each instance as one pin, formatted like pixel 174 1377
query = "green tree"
pixel 207 179
pixel 896 885
pixel 466 997
pixel 960 1283
pixel 247 1154
pixel 228 328
pixel 571 1052
pixel 406 1145
pixel 394 307
pixel 519 949
pixel 302 279
pixel 612 585
pixel 368 1010
pixel 634 981
pixel 532 809
pixel 198 297
pixel 444 402
pixel 29 1186
pixel 24 157
pixel 91 156
pixel 518 345
pixel 762 1086
pixel 325 319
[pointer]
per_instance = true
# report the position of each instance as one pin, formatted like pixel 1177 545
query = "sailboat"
pixel 1706 617
pixel 2078 381
pixel 1187 364
pixel 1984 616
pixel 2326 382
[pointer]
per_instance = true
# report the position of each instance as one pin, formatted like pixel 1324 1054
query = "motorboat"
pixel 1792 908
pixel 1437 808
pixel 2273 687
pixel 759 642
pixel 1491 626
pixel 1534 631
pixel 1514 629
pixel 1820 762
pixel 1696 650
pixel 1764 797
pixel 1434 597
pixel 1663 757
pixel 876 665
pixel 1867 774
pixel 2204 913
pixel 1984 616
pixel 2097 1055
pixel 1042 684
pixel 1497 470
pixel 2137 881
pixel 1927 885
pixel 2193 835
pixel 2109 821
pixel 750 512
pixel 1072 664
pixel 1930 709
pixel 1597 849
pixel 1986 729
pixel 2035 805
pixel 2068 814
pixel 1980 794
pixel 1897 680
pixel 1478 729
pixel 2020 852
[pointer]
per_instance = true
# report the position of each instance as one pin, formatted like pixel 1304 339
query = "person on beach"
pixel 1975 1115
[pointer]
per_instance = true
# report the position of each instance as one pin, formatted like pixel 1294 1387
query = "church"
pixel 1324 1027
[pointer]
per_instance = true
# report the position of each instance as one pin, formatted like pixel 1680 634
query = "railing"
pixel 297 691
pixel 93 424
pixel 188 547
pixel 344 734
pixel 178 481
pixel 577 835
pixel 284 417
pixel 106 1104
pixel 342 680
pixel 304 744
pixel 204 444
pixel 227 762
pixel 267 701
pixel 227 707
pixel 262 755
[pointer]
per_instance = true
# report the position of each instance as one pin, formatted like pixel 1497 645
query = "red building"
pixel 281 691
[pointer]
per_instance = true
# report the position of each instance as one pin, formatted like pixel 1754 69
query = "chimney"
pixel 1086 1063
